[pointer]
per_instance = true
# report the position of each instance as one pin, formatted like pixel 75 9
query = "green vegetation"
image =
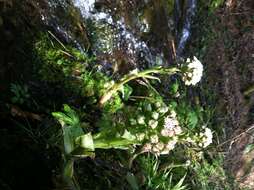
pixel 146 129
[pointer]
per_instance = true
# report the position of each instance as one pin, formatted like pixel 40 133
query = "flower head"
pixel 154 139
pixel 133 121
pixel 140 136
pixel 153 123
pixel 170 122
pixel 147 147
pixel 163 109
pixel 155 115
pixel 207 137
pixel 194 73
pixel 171 126
pixel 141 120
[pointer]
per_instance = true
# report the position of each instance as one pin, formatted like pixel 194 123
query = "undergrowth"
pixel 126 133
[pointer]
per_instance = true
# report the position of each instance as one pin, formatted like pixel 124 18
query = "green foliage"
pixel 20 93
pixel 70 123
pixel 211 175
pixel 157 178
pixel 214 4
pixel 95 85
pixel 188 115
pixel 59 63
pixel 249 148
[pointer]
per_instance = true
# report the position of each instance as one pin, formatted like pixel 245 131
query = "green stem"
pixel 113 143
pixel 249 90
pixel 129 77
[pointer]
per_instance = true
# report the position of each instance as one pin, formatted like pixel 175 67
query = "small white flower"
pixel 201 134
pixel 141 120
pixel 188 139
pixel 154 139
pixel 153 124
pixel 178 130
pixel 135 71
pixel 173 114
pixel 170 123
pixel 163 109
pixel 164 132
pixel 177 94
pixel 165 151
pixel 208 137
pixel 194 73
pixel 155 115
pixel 171 145
pixel 147 147
pixel 167 133
pixel 133 121
pixel 158 104
pixel 160 146
pixel 156 150
pixel 188 163
pixel 141 136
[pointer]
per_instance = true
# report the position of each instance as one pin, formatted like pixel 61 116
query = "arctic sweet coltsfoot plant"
pixel 152 123
pixel 147 124
pixel 155 125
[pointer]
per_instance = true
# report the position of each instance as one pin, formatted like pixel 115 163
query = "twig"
pixel 236 137
pixel 57 40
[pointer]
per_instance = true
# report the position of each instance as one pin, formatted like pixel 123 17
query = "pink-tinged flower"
pixel 171 126
pixel 147 147
pixel 170 122
pixel 167 133
pixel 171 144
pixel 178 130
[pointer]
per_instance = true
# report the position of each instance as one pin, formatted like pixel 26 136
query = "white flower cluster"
pixel 171 126
pixel 157 147
pixel 194 73
pixel 206 137
pixel 157 126
pixel 169 131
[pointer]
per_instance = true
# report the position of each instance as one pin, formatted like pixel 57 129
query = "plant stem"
pixel 129 77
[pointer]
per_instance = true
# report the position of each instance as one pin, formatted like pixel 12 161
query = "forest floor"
pixel 230 73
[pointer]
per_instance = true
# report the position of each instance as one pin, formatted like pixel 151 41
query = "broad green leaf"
pixel 192 119
pixel 126 92
pixel 86 141
pixel 62 118
pixel 70 126
pixel 174 87
pixel 68 169
pixel 70 134
pixel 127 135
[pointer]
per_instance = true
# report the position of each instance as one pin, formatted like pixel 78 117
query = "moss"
pixel 57 62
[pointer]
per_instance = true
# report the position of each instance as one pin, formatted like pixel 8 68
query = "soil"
pixel 24 163
pixel 230 66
